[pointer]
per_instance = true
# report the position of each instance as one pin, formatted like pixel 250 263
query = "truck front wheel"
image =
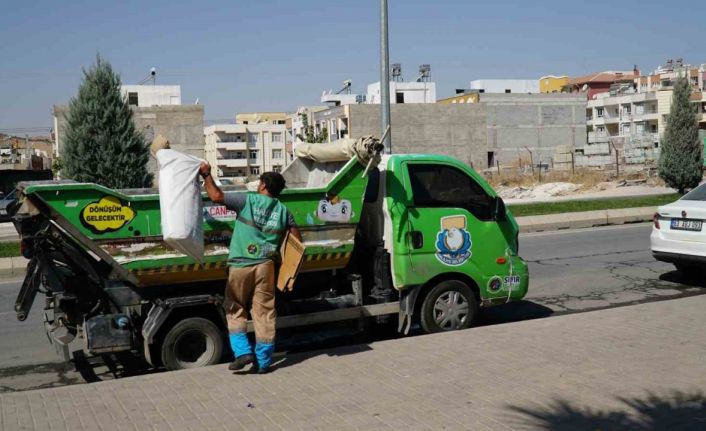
pixel 450 305
pixel 191 343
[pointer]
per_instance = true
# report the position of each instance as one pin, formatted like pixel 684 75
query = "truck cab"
pixel 453 246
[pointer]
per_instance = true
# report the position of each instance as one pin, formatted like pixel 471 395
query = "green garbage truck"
pixel 418 238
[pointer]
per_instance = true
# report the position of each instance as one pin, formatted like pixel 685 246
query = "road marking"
pixel 586 230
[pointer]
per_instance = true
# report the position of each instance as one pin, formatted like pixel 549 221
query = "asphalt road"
pixel 570 271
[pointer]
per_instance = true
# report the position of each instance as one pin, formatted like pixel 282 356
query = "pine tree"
pixel 681 158
pixel 102 144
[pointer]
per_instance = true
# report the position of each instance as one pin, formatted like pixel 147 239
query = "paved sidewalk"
pixel 638 367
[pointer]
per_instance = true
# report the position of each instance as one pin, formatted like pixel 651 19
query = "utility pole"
pixel 385 79
pixel 27 153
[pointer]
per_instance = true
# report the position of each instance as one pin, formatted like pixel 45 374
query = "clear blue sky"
pixel 238 55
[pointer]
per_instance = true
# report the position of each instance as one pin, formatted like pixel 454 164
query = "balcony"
pixel 646 115
pixel 595 137
pixel 233 163
pixel 232 145
pixel 606 119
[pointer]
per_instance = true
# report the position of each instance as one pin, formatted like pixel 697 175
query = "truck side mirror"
pixel 500 211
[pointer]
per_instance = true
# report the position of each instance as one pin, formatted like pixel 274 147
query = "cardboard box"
pixel 292 253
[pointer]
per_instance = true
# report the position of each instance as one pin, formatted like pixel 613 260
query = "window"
pixel 599 112
pixel 440 186
pixel 276 168
pixel 399 97
pixel 254 170
pixel 697 194
pixel 508 91
pixel 491 159
pixel 653 128
pixel 132 99
pixel 626 129
pixel 281 121
pixel 253 138
pixel 253 155
pixel 276 154
pixel 276 137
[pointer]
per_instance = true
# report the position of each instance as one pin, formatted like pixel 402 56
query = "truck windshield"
pixel 435 185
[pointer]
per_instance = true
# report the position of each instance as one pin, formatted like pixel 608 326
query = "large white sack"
pixel 180 202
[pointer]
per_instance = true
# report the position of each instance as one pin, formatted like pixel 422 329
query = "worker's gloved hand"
pixel 205 169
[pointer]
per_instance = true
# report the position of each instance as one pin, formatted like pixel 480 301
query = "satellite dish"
pixel 585 87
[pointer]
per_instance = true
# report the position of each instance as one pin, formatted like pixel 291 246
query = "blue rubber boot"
pixel 241 349
pixel 263 352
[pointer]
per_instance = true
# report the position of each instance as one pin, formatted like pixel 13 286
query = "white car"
pixel 4 202
pixel 679 235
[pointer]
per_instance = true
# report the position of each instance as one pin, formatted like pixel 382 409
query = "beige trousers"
pixel 251 291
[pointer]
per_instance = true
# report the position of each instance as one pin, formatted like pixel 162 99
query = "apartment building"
pixel 553 84
pixel 261 118
pixel 505 86
pixel 241 152
pixel 631 116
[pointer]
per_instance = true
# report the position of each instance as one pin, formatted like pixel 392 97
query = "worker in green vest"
pixel 261 223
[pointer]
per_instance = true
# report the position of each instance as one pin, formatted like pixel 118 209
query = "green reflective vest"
pixel 258 231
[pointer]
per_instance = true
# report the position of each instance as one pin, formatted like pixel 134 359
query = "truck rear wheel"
pixel 449 306
pixel 191 343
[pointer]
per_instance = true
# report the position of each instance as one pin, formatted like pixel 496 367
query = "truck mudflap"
pixel 30 287
pixel 408 297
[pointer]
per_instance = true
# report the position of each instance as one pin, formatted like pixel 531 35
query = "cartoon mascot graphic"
pixel 453 242
pixel 334 209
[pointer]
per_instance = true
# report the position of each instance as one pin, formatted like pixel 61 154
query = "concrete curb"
pixel 585 219
pixel 16 266
pixel 12 266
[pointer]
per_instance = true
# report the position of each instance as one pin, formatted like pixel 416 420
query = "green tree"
pixel 681 159
pixel 310 134
pixel 102 144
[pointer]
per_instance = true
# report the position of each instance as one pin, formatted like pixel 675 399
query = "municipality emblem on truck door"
pixel 453 242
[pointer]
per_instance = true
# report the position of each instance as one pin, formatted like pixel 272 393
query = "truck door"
pixel 451 226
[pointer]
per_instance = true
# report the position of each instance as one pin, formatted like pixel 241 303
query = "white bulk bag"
pixel 180 202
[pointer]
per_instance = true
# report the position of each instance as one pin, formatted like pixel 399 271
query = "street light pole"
pixel 385 79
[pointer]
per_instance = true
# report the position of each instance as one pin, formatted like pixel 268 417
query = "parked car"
pixel 4 202
pixel 678 234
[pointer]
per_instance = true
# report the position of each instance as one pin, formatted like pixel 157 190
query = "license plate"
pixel 681 224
